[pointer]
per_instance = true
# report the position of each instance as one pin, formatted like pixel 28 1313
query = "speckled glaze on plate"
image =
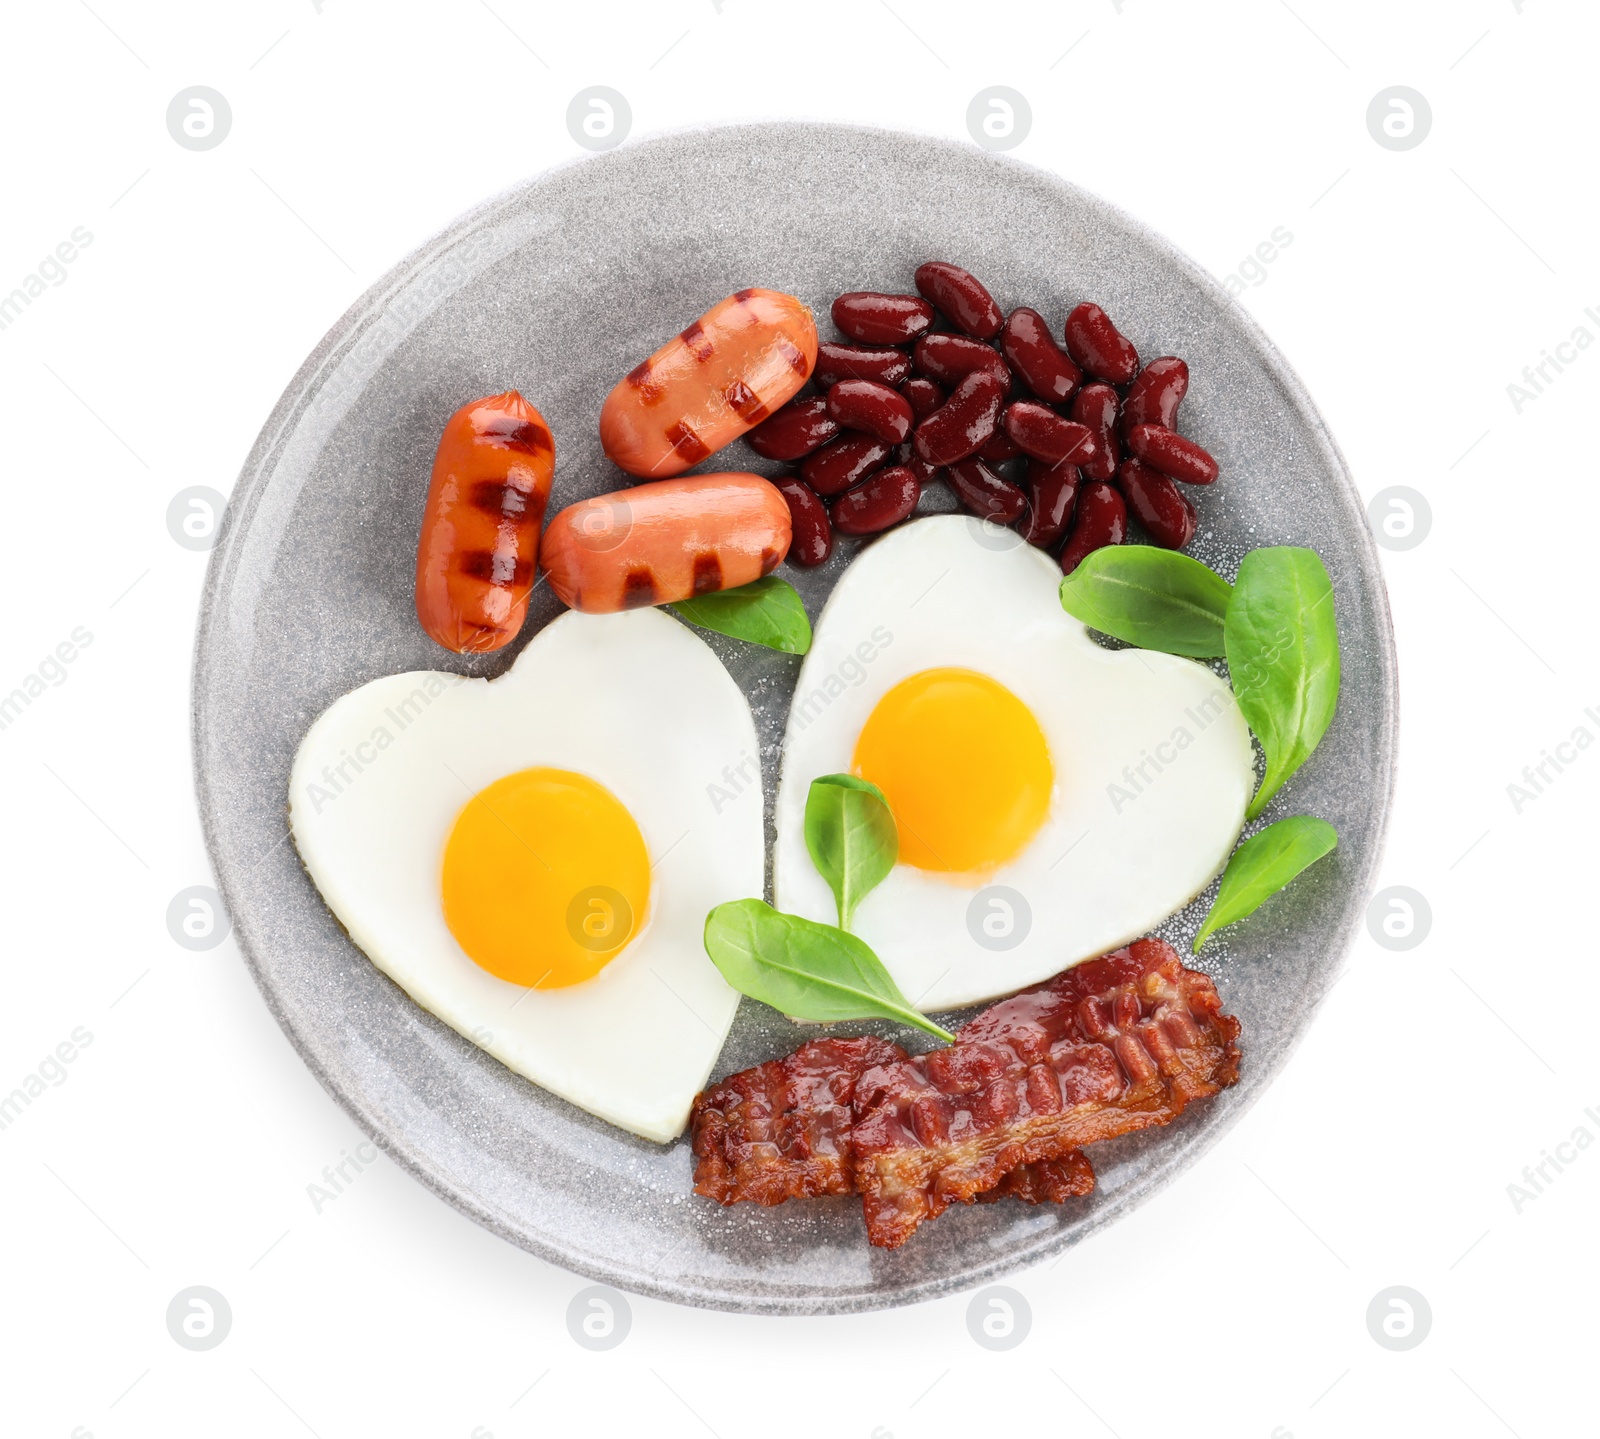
pixel 557 288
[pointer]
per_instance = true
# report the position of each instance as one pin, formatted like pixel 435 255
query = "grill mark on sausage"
pixel 794 355
pixel 638 587
pixel 502 500
pixel 769 559
pixel 745 403
pixel 496 567
pixel 642 378
pixel 686 444
pixel 744 297
pixel 707 572
pixel 699 342
pixel 510 432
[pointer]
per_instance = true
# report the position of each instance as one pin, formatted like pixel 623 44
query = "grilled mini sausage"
pixel 659 543
pixel 480 529
pixel 703 389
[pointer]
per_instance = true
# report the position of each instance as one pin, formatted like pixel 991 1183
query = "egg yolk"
pixel 964 766
pixel 546 878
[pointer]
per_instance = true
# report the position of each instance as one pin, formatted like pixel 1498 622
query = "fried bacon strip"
pixel 1120 1043
pixel 1049 1181
pixel 782 1130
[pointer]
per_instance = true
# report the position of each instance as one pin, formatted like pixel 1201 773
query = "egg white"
pixel 638 703
pixel 1120 849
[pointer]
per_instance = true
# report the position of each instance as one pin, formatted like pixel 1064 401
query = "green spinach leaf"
pixel 1263 865
pixel 766 612
pixel 1283 657
pixel 1156 599
pixel 852 838
pixel 808 970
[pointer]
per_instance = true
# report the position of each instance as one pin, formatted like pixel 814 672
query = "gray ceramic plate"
pixel 557 288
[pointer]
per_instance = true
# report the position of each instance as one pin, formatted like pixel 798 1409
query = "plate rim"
pixel 301 390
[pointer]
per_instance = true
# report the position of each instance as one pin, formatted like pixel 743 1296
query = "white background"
pixel 179 1149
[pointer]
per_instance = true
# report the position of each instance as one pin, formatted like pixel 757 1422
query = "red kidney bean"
pixel 1099 346
pixel 1173 454
pixel 859 362
pixel 845 462
pixel 924 395
pixel 1095 407
pixel 1158 504
pixel 1101 519
pixel 985 493
pixel 1039 431
pixel 871 318
pixel 1032 352
pixel 813 532
pixel 907 455
pixel 1051 492
pixel 866 405
pixel 962 425
pixel 949 358
pixel 960 297
pixel 793 431
pixel 1001 447
pixel 1156 393
pixel 884 500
